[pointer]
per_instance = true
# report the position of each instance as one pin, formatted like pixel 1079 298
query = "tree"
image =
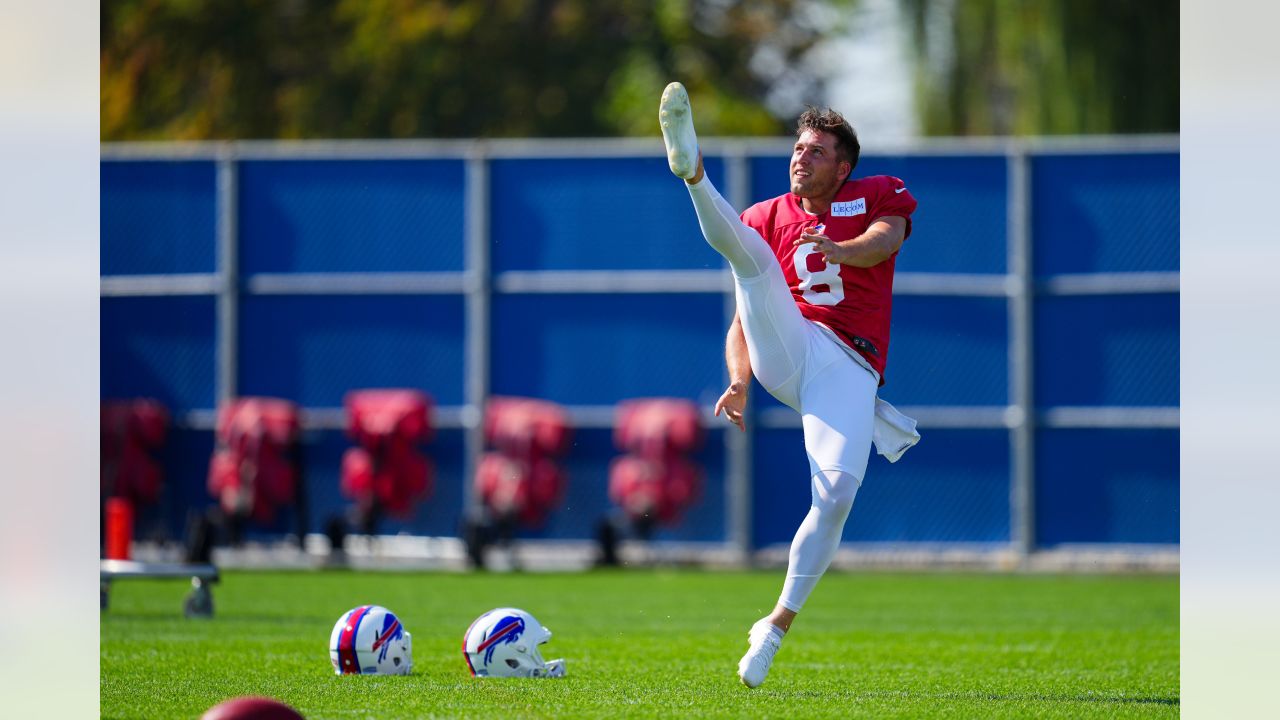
pixel 202 69
pixel 997 67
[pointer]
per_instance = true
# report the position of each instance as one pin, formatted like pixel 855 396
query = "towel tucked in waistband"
pixel 893 432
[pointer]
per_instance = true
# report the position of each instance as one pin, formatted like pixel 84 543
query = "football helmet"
pixel 370 640
pixel 504 643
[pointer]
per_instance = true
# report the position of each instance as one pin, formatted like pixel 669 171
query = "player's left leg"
pixel 837 407
pixel 837 404
pixel 812 550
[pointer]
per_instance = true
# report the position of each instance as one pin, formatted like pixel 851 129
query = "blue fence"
pixel 1035 326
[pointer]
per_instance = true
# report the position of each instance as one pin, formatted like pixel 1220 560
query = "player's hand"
pixel 733 402
pixel 831 252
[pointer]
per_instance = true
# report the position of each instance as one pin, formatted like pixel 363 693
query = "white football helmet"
pixel 370 640
pixel 504 643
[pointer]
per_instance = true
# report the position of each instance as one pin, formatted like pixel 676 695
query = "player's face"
pixel 816 172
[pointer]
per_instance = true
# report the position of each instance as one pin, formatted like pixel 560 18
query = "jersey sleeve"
pixel 893 198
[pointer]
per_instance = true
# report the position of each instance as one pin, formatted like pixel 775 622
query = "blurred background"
pixel 304 199
pixel 203 70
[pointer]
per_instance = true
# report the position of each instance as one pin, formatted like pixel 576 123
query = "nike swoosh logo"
pixel 895 192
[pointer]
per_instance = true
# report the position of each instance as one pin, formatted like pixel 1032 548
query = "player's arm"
pixel 734 400
pixel 882 239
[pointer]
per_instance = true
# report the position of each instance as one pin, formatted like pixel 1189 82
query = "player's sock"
pixel 765 638
pixel 818 537
pixel 675 116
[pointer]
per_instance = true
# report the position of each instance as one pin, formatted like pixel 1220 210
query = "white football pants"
pixel 804 368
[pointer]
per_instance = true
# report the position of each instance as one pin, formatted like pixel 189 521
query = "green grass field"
pixel 663 644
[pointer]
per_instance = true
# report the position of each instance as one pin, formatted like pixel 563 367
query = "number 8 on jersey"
pixel 820 282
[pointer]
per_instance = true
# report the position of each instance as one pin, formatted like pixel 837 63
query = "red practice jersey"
pixel 854 302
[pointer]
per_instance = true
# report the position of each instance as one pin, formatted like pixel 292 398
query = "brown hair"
pixel 830 121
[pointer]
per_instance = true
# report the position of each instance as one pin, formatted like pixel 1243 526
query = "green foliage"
pixel 204 69
pixel 661 644
pixel 199 69
pixel 1049 67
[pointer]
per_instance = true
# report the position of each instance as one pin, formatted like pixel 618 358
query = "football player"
pixel 813 277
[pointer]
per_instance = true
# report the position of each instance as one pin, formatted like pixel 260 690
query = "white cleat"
pixel 765 639
pixel 676 117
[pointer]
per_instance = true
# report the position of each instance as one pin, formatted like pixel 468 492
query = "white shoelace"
pixel 764 643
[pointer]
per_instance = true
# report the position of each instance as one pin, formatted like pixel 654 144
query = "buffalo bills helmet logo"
pixel 391 630
pixel 506 631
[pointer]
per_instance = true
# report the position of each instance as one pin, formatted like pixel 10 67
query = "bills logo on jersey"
pixel 507 631
pixel 849 208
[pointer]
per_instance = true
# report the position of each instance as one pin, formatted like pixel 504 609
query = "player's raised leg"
pixel 775 330
pixel 748 254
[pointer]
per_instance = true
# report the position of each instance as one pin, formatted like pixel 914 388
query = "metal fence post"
pixel 1021 420
pixel 478 285
pixel 738 445
pixel 228 330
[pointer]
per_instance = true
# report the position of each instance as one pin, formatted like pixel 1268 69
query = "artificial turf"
pixel 661 644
